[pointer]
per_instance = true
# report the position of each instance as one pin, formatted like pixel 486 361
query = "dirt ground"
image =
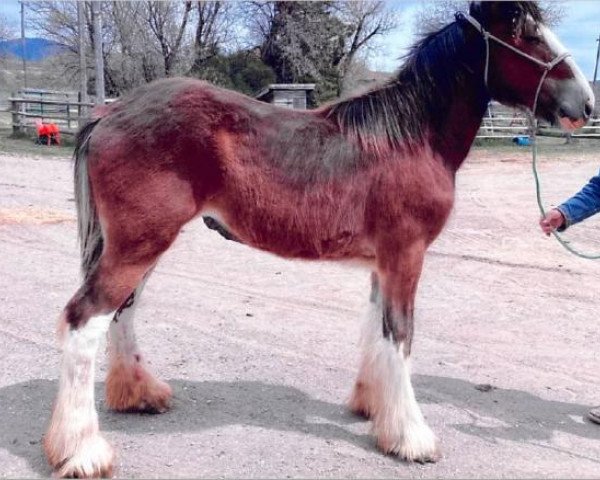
pixel 262 352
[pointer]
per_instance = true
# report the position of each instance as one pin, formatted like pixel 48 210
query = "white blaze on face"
pixel 579 86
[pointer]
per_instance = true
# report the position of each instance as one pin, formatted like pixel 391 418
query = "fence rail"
pixel 67 114
pixel 64 108
pixel 29 106
pixel 502 122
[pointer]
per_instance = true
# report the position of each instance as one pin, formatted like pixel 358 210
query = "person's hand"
pixel 552 220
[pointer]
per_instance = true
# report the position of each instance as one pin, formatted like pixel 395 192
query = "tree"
pixel 366 20
pixel 317 41
pixel 243 71
pixel 213 29
pixel 302 42
pixel 434 15
pixel 143 40
pixel 7 30
pixel 168 22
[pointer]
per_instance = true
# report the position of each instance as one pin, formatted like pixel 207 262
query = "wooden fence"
pixel 48 106
pixel 503 122
pixel 63 108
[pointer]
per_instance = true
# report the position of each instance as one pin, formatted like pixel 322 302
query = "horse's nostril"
pixel 588 109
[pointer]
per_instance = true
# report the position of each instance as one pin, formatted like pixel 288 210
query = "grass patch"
pixel 24 144
pixel 547 145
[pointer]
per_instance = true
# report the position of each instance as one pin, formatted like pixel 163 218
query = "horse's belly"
pixel 292 236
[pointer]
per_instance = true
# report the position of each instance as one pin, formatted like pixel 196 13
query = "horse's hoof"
pixel 134 389
pixel 417 444
pixel 358 403
pixel 93 458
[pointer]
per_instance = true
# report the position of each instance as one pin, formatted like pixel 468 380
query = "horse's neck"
pixel 456 101
pixel 457 124
pixel 455 136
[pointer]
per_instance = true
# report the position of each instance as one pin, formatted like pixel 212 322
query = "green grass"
pixel 550 146
pixel 547 145
pixel 25 145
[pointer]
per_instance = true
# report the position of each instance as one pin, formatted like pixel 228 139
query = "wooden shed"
pixel 289 95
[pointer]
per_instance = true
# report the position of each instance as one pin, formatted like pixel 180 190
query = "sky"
pixel 578 31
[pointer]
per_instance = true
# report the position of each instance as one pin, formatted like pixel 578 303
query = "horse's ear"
pixel 503 12
pixel 475 9
pixel 481 11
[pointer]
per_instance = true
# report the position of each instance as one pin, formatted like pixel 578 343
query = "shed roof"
pixel 285 86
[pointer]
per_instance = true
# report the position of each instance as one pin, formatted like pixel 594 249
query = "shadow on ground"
pixel 200 406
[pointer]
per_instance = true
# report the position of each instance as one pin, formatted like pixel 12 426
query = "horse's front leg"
pixel 383 390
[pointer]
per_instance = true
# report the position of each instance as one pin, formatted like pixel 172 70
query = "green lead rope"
pixel 538 192
pixel 547 67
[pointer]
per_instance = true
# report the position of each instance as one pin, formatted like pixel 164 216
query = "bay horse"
pixel 368 179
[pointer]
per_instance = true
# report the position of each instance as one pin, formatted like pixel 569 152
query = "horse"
pixel 368 179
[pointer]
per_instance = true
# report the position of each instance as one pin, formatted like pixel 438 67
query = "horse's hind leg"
pixel 129 384
pixel 383 389
pixel 73 443
pixel 360 402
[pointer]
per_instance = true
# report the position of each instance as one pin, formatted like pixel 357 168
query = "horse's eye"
pixel 534 39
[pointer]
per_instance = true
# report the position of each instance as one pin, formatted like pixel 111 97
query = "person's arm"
pixel 583 204
pixel 580 206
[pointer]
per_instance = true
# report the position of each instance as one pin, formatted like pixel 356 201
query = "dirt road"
pixel 262 353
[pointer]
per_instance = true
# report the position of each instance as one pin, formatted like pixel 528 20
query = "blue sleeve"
pixel 583 204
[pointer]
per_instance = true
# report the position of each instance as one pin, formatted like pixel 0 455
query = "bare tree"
pixel 434 15
pixel 168 22
pixel 58 21
pixel 129 52
pixel 257 17
pixel 213 29
pixel 146 39
pixel 337 31
pixel 367 21
pixel 142 40
pixel 7 29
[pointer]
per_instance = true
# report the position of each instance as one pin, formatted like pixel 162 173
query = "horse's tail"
pixel 88 225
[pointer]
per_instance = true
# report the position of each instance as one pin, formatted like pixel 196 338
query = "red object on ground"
pixel 48 133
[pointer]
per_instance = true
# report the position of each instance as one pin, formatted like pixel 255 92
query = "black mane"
pixel 399 112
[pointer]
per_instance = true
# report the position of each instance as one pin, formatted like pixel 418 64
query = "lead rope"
pixel 533 124
pixel 538 191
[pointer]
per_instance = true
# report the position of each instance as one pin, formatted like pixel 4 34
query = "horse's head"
pixel 537 59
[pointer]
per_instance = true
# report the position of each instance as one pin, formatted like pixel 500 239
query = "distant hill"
pixel 36 49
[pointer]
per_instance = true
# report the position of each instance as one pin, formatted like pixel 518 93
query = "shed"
pixel 289 95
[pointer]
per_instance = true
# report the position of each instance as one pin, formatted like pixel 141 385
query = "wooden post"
pixel 68 115
pixel 23 42
pixel 97 21
pixel 42 106
pixel 597 59
pixel 83 96
pixel 14 107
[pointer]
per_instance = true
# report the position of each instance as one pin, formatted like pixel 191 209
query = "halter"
pixel 487 36
pixel 547 67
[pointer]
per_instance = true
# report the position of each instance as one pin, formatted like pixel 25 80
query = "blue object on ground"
pixel 522 140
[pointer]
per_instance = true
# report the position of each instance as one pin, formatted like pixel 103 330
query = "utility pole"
pixel 23 48
pixel 97 22
pixel 81 34
pixel 597 57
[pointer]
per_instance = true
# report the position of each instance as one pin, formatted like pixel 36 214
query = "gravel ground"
pixel 262 352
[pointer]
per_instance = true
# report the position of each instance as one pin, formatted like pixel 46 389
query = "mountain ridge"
pixel 36 49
